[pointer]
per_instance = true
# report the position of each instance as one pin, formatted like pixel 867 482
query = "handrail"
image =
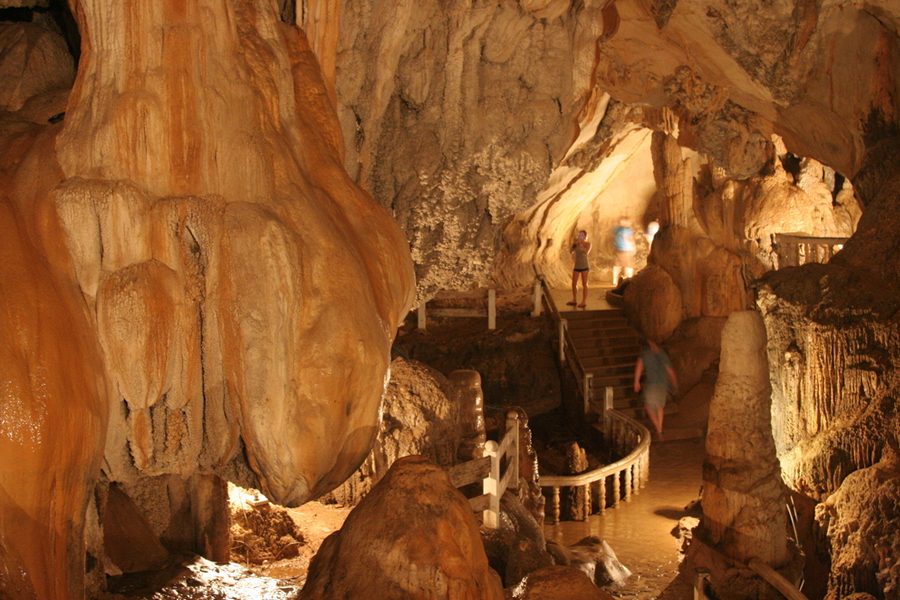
pixel 635 467
pixel 494 479
pixel 567 346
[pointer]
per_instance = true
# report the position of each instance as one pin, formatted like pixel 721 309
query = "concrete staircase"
pixel 608 348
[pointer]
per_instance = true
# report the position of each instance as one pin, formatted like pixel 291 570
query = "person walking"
pixel 580 249
pixel 655 363
pixel 623 240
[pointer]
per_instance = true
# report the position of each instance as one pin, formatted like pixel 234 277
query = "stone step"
pixel 581 314
pixel 598 324
pixel 600 367
pixel 609 333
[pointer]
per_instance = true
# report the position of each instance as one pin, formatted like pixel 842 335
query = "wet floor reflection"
pixel 640 531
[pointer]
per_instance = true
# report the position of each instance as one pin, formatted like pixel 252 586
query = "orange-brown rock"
pixel 414 536
pixel 551 583
pixel 188 261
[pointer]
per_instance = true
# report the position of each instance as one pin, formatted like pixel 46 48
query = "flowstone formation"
pixel 188 261
pixel 833 340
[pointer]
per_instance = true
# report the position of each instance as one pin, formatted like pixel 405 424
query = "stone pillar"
pixel 673 177
pixel 468 399
pixel 743 494
pixel 573 501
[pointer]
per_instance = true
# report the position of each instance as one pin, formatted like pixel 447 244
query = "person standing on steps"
pixel 580 249
pixel 623 240
pixel 659 373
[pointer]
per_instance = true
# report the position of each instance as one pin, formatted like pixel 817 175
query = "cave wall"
pixel 455 114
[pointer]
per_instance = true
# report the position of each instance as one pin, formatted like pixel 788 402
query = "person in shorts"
pixel 655 365
pixel 580 249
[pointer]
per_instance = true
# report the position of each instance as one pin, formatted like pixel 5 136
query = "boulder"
pixel 517 547
pixel 595 557
pixel 414 536
pixel 553 583
pixel 653 302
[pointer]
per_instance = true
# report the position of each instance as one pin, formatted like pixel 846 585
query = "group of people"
pixel 623 241
pixel 653 364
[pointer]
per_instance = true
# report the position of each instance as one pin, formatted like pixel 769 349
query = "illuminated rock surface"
pixel 242 291
pixel 413 536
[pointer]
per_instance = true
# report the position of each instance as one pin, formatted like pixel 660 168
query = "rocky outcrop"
pixel 426 414
pixel 860 522
pixel 455 115
pixel 413 536
pixel 559 582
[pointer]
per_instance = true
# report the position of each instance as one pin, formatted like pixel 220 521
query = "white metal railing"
pixel 566 347
pixel 627 476
pixel 795 249
pixel 497 470
pixel 490 312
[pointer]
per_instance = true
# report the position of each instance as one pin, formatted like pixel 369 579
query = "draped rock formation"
pixel 192 265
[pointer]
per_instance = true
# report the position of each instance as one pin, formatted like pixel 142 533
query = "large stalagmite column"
pixel 187 259
pixel 744 497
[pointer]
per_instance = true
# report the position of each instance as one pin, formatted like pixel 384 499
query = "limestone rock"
pixel 223 243
pixel 653 301
pixel 413 536
pixel 33 60
pixel 192 265
pixel 694 347
pixel 450 122
pixel 743 494
pixel 594 557
pixel 419 417
pixel 861 521
pixel 550 583
pixel 517 547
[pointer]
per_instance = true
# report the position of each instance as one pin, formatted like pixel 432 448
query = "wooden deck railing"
pixel 497 470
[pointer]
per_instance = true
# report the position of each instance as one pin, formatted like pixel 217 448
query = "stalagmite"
pixel 744 499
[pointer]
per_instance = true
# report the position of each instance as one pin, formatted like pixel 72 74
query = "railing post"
pixel 512 428
pixel 492 309
pixel 601 500
pixel 701 580
pixel 617 489
pixel 588 391
pixel 607 406
pixel 563 325
pixel 538 290
pixel 421 312
pixel 628 481
pixel 491 517
pixel 554 506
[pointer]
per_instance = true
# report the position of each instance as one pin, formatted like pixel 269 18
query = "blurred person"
pixel 623 240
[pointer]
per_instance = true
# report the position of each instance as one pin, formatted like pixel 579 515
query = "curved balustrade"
pixel 622 478
pixel 626 476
